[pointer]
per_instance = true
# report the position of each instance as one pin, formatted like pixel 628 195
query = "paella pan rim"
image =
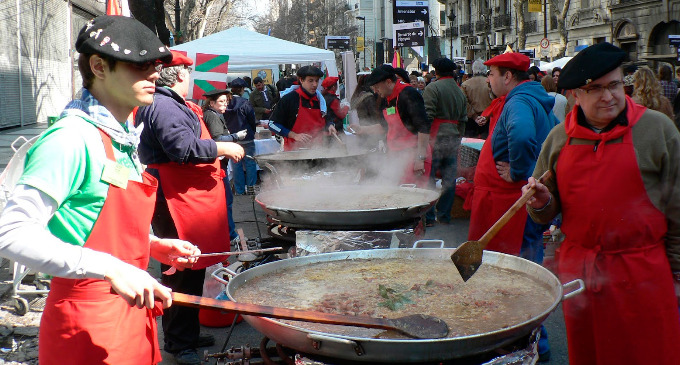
pixel 337 256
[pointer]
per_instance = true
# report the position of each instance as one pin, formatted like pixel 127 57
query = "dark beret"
pixel 403 74
pixel 512 60
pixel 216 93
pixel 305 71
pixel 380 73
pixel 238 82
pixel 121 38
pixel 257 80
pixel 443 65
pixel 590 64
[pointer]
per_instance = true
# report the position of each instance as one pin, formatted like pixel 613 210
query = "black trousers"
pixel 180 324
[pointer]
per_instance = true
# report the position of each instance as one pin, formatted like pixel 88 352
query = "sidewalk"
pixel 7 136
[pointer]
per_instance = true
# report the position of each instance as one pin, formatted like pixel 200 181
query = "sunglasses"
pixel 143 66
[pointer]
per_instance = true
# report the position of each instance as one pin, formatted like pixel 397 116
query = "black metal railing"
pixel 453 31
pixel 466 28
pixel 502 21
pixel 482 26
pixel 531 26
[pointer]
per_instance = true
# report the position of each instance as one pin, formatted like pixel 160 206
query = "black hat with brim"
pixel 306 71
pixel 590 64
pixel 121 38
pixel 380 73
pixel 216 93
pixel 238 82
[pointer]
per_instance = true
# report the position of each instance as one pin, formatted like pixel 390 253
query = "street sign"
pixel 674 40
pixel 337 42
pixel 535 6
pixel 528 52
pixel 360 44
pixel 545 47
pixel 409 34
pixel 410 11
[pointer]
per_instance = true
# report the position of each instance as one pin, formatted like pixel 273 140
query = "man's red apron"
pixel 403 144
pixel 615 242
pixel 197 202
pixel 308 121
pixel 437 122
pixel 83 322
pixel 492 197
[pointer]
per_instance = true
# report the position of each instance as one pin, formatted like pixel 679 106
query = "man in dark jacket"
pixel 241 116
pixel 337 110
pixel 263 99
pixel 446 108
pixel 298 117
pixel 191 202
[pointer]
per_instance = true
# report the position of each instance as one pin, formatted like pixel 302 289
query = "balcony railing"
pixel 482 26
pixel 502 21
pixel 466 28
pixel 453 31
pixel 531 26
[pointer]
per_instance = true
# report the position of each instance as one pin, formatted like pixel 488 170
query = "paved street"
pixel 244 216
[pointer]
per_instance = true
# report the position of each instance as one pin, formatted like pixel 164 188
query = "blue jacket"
pixel 172 132
pixel 240 115
pixel 525 122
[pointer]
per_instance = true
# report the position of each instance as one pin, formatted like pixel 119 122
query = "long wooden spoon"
pixel 416 326
pixel 468 256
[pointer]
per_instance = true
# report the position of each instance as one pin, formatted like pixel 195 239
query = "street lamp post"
pixel 363 19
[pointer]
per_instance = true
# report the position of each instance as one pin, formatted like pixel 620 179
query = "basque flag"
pixel 212 63
pixel 203 86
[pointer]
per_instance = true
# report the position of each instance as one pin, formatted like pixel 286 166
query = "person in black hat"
pixel 82 208
pixel 179 151
pixel 406 125
pixel 298 116
pixel 446 108
pixel 240 116
pixel 615 179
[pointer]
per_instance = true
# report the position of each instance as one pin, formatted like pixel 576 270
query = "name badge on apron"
pixel 115 174
pixel 391 110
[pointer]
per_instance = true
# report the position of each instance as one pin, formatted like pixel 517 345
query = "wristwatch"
pixel 421 157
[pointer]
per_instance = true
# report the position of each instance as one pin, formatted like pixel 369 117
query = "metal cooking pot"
pixel 401 350
pixel 305 159
pixel 347 207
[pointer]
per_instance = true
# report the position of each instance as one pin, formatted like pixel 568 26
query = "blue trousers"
pixel 444 158
pixel 248 178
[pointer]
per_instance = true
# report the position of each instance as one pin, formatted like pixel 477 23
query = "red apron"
pixel 197 202
pixel 615 242
pixel 492 197
pixel 434 129
pixel 308 121
pixel 83 322
pixel 403 144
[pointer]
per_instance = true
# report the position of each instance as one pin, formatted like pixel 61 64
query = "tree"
pixel 561 24
pixel 199 18
pixel 521 29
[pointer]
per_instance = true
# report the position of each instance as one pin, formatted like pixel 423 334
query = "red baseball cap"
pixel 179 59
pixel 329 81
pixel 514 60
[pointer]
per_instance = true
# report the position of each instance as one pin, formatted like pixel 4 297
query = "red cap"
pixel 329 81
pixel 179 59
pixel 514 60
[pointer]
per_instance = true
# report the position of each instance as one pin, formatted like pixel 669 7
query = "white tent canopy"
pixel 248 50
pixel 557 63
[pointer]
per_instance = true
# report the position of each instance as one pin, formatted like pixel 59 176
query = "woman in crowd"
pixel 647 92
pixel 560 107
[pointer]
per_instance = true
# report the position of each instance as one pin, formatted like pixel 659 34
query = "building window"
pixel 442 17
pixel 585 4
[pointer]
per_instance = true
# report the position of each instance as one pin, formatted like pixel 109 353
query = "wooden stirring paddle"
pixel 468 256
pixel 416 326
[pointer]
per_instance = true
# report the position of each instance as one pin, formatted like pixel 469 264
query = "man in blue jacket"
pixel 508 159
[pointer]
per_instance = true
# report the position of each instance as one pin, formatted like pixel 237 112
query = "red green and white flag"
pixel 203 86
pixel 212 63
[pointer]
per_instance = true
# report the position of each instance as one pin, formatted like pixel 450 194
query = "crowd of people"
pixel 606 133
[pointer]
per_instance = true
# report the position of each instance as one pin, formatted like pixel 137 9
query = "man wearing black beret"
pixel 179 151
pixel 298 117
pixel 406 125
pixel 81 211
pixel 616 181
pixel 446 108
